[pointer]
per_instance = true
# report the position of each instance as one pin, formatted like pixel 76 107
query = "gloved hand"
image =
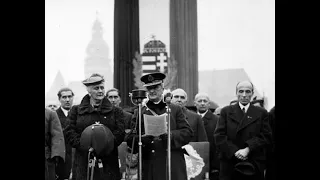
pixel 146 139
pixel 56 160
pixel 164 138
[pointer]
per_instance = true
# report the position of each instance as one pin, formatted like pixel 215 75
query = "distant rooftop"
pixel 221 84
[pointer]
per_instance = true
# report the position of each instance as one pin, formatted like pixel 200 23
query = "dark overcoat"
pixel 210 122
pixel 84 115
pixel 154 154
pixel 271 156
pixel 64 168
pixel 235 131
pixel 54 142
pixel 127 119
pixel 196 124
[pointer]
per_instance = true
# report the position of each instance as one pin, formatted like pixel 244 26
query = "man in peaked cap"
pixel 154 149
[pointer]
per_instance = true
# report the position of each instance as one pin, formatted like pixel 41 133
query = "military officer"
pixel 154 149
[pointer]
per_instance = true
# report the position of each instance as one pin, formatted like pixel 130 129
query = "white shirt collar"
pixel 245 107
pixel 202 114
pixel 65 111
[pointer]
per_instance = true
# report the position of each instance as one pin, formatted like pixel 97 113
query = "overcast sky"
pixel 231 34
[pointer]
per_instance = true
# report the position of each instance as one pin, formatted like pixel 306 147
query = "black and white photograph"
pixel 204 68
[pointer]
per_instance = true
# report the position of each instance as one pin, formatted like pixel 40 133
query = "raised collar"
pixel 85 105
pixel 152 105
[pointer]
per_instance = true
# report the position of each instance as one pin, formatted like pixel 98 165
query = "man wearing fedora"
pixel 242 136
pixel 95 107
pixel 154 149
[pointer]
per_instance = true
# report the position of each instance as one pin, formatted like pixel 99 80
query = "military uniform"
pixel 154 149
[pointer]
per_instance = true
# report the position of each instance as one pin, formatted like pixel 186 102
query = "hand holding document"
pixel 155 125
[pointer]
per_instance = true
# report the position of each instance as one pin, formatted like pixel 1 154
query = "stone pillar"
pixel 126 45
pixel 184 45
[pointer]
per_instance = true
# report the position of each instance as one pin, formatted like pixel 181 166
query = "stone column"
pixel 184 45
pixel 126 45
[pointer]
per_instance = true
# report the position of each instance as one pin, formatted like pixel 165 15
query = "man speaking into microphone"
pixel 154 149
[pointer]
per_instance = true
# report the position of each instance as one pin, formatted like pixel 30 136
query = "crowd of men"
pixel 241 135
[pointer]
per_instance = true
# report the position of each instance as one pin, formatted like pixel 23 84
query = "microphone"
pixel 91 149
pixel 167 97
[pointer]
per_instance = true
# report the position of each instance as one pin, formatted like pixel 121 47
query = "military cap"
pixel 152 79
pixel 94 79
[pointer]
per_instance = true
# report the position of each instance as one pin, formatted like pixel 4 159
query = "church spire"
pixel 97 30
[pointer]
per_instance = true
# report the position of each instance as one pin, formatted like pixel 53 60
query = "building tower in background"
pixel 97 60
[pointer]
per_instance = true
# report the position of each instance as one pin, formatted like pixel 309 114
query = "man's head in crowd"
pixel 114 96
pixel 179 97
pixel 244 92
pixel 65 96
pixel 202 102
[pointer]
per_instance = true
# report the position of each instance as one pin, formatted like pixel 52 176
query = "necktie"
pixel 244 112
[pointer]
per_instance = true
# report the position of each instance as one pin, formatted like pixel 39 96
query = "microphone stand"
pixel 140 143
pixel 138 95
pixel 169 143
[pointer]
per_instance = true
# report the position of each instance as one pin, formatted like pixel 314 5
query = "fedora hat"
pixel 245 168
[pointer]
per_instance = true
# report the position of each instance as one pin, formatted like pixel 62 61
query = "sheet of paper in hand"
pixel 155 125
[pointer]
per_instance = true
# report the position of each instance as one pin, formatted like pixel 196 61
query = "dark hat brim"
pixel 153 83
pixel 152 79
pixel 245 168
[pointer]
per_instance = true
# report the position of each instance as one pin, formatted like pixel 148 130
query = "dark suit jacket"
pixel 64 169
pixel 210 121
pixel 127 119
pixel 195 121
pixel 236 131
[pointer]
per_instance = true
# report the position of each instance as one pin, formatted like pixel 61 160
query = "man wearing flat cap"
pixel 242 136
pixel 95 107
pixel 154 149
